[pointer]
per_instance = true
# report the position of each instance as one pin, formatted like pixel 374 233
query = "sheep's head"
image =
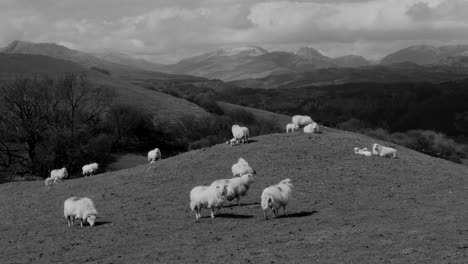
pixel 91 219
pixel 356 150
pixel 247 178
pixel 376 149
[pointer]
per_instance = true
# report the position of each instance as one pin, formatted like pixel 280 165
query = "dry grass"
pixel 346 209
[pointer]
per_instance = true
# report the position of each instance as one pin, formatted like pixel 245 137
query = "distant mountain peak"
pixel 245 50
pixel 310 54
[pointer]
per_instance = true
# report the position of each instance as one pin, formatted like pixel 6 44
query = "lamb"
pixel 236 187
pixel 90 169
pixel 291 127
pixel 49 181
pixel 366 152
pixel 311 128
pixel 276 196
pixel 79 207
pixel 59 174
pixel 363 151
pixel 211 197
pixel 241 168
pixel 301 120
pixel 232 142
pixel 240 133
pixel 382 151
pixel 154 155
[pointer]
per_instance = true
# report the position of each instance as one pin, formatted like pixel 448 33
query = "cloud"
pixel 165 30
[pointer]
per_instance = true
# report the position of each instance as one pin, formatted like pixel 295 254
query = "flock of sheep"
pixel 213 196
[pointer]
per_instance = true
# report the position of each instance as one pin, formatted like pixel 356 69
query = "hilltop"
pixel 346 209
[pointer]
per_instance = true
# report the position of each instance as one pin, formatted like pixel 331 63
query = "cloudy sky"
pixel 167 30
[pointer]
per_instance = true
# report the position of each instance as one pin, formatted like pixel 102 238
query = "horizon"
pixel 165 31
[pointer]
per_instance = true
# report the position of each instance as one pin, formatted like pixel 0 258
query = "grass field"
pixel 346 209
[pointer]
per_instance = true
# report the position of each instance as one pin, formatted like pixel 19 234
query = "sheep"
pixel 382 151
pixel 240 133
pixel 79 207
pixel 291 127
pixel 363 151
pixel 236 187
pixel 49 181
pixel 311 128
pixel 90 169
pixel 276 196
pixel 154 155
pixel 366 152
pixel 242 167
pixel 301 120
pixel 59 174
pixel 232 142
pixel 211 197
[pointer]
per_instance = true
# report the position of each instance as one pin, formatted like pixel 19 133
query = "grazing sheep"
pixel 49 181
pixel 236 187
pixel 90 169
pixel 382 151
pixel 59 174
pixel 211 197
pixel 240 133
pixel 79 207
pixel 154 155
pixel 301 120
pixel 241 168
pixel 311 128
pixel 291 127
pixel 276 196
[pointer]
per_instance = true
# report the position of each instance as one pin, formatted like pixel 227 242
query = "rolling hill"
pixel 346 208
pixel 165 108
pixel 394 73
pixel 426 54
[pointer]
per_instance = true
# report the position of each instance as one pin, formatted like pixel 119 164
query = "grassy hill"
pixel 346 209
pixel 165 108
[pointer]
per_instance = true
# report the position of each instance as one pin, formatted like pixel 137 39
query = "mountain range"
pixel 253 66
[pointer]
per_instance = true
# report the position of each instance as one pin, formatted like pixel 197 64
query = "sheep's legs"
pixel 238 201
pixel 264 214
pixel 276 213
pixel 284 210
pixel 212 213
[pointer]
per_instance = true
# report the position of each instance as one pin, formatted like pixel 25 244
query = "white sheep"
pixel 276 196
pixel 90 169
pixel 154 155
pixel 232 142
pixel 291 127
pixel 382 151
pixel 311 128
pixel 366 152
pixel 236 187
pixel 49 181
pixel 211 197
pixel 363 151
pixel 240 133
pixel 242 167
pixel 301 120
pixel 59 174
pixel 79 207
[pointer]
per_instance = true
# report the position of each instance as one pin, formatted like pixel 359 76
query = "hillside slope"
pixel 346 209
pixel 165 108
